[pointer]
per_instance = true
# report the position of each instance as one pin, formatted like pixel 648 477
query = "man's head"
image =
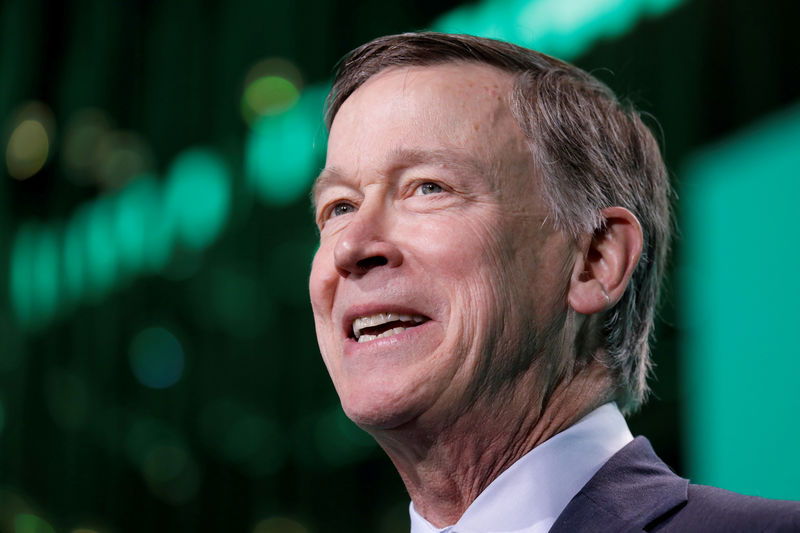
pixel 474 189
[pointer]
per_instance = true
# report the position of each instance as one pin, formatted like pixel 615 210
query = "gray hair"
pixel 592 152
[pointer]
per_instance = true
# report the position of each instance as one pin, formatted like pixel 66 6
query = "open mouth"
pixel 380 325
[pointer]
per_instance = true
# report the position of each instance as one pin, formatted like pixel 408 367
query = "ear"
pixel 605 262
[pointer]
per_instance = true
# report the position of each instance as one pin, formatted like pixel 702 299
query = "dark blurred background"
pixel 158 366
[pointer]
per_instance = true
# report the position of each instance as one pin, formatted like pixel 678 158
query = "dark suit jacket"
pixel 636 491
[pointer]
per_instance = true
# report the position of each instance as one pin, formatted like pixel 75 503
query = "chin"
pixel 374 410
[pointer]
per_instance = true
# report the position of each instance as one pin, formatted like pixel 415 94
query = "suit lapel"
pixel 633 489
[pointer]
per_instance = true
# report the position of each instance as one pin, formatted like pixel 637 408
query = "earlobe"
pixel 605 263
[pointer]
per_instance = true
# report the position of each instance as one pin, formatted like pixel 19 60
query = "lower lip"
pixel 353 347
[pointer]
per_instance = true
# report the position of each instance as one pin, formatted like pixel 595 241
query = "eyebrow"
pixel 405 158
pixel 455 158
pixel 328 177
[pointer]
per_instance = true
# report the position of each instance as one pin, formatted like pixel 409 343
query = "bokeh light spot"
pixel 12 504
pixel 246 437
pixel 280 524
pixel 198 197
pixel 21 279
pixel 81 148
pixel 143 434
pixel 138 227
pixel 121 156
pixel 164 463
pixel 232 300
pixel 27 149
pixel 93 151
pixel 394 518
pixel 30 523
pixel 143 200
pixel 31 139
pixel 171 474
pixel 46 271
pixel 290 262
pixel 563 28
pixel 268 95
pixel 271 86
pixel 11 344
pixel 281 153
pixel 67 398
pixel 156 358
pixel 339 441
pixel 35 275
pixel 243 437
pixel 101 248
pixel 74 275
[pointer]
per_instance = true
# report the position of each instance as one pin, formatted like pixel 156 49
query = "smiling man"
pixel 493 229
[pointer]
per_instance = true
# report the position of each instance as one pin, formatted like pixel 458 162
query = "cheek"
pixel 474 256
pixel 468 264
pixel 459 244
pixel 501 277
pixel 321 282
pixel 321 289
pixel 322 285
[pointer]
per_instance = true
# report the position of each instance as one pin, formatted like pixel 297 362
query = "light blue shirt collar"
pixel 531 493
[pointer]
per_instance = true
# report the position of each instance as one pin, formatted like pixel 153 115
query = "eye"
pixel 342 208
pixel 427 188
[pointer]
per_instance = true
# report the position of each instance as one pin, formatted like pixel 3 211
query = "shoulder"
pixel 712 509
pixel 635 491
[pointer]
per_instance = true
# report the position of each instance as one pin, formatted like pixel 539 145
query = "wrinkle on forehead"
pixel 489 90
pixel 463 107
pixel 482 114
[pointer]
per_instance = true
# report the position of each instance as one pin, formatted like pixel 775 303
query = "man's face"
pixel 437 270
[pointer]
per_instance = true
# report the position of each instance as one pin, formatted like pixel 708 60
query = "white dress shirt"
pixel 531 493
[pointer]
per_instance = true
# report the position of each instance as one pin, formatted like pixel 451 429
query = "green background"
pixel 158 367
pixel 740 299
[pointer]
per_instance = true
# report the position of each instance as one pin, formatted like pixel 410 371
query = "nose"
pixel 366 243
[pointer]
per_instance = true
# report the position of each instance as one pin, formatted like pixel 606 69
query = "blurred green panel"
pixel 739 295
pixel 563 28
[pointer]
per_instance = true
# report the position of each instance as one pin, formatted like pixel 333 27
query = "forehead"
pixel 449 97
pixel 457 108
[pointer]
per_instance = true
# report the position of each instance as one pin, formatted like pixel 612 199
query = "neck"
pixel 446 468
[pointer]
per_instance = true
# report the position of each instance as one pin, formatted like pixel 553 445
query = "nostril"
pixel 372 262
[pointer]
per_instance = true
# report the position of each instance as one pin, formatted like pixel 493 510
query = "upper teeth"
pixel 381 318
